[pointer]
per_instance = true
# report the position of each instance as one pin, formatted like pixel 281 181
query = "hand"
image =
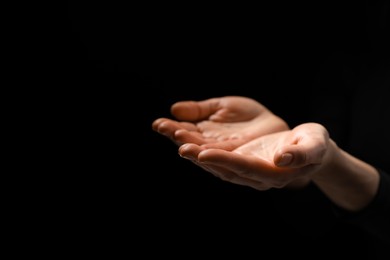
pixel 288 158
pixel 223 123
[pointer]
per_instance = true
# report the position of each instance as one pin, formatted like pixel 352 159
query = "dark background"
pixel 124 64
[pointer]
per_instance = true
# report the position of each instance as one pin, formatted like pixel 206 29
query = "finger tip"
pixel 180 133
pixel 206 155
pixel 182 110
pixel 285 159
pixel 156 123
pixel 184 147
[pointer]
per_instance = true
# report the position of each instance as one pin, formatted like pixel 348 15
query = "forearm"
pixel 347 181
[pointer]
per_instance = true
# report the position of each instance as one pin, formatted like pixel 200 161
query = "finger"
pixel 193 159
pixel 220 165
pixel 249 167
pixel 157 122
pixel 219 172
pixel 195 110
pixel 190 151
pixel 168 127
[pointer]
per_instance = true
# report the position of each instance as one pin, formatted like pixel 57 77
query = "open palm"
pixel 270 161
pixel 225 122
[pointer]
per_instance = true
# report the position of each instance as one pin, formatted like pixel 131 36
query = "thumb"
pixel 195 110
pixel 307 151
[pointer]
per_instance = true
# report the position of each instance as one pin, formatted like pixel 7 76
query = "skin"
pixel 239 140
pixel 224 123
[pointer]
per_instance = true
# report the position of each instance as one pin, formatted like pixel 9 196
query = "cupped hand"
pixel 223 122
pixel 283 159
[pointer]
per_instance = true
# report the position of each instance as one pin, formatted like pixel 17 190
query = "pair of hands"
pixel 239 140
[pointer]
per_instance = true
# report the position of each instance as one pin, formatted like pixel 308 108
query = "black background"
pixel 124 64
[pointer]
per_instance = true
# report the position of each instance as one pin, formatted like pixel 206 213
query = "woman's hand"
pixel 283 159
pixel 223 123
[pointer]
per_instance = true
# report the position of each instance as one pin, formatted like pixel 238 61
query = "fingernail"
pixel 285 159
pixel 185 157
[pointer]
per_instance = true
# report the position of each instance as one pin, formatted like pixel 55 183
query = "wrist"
pixel 331 162
pixel 346 180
